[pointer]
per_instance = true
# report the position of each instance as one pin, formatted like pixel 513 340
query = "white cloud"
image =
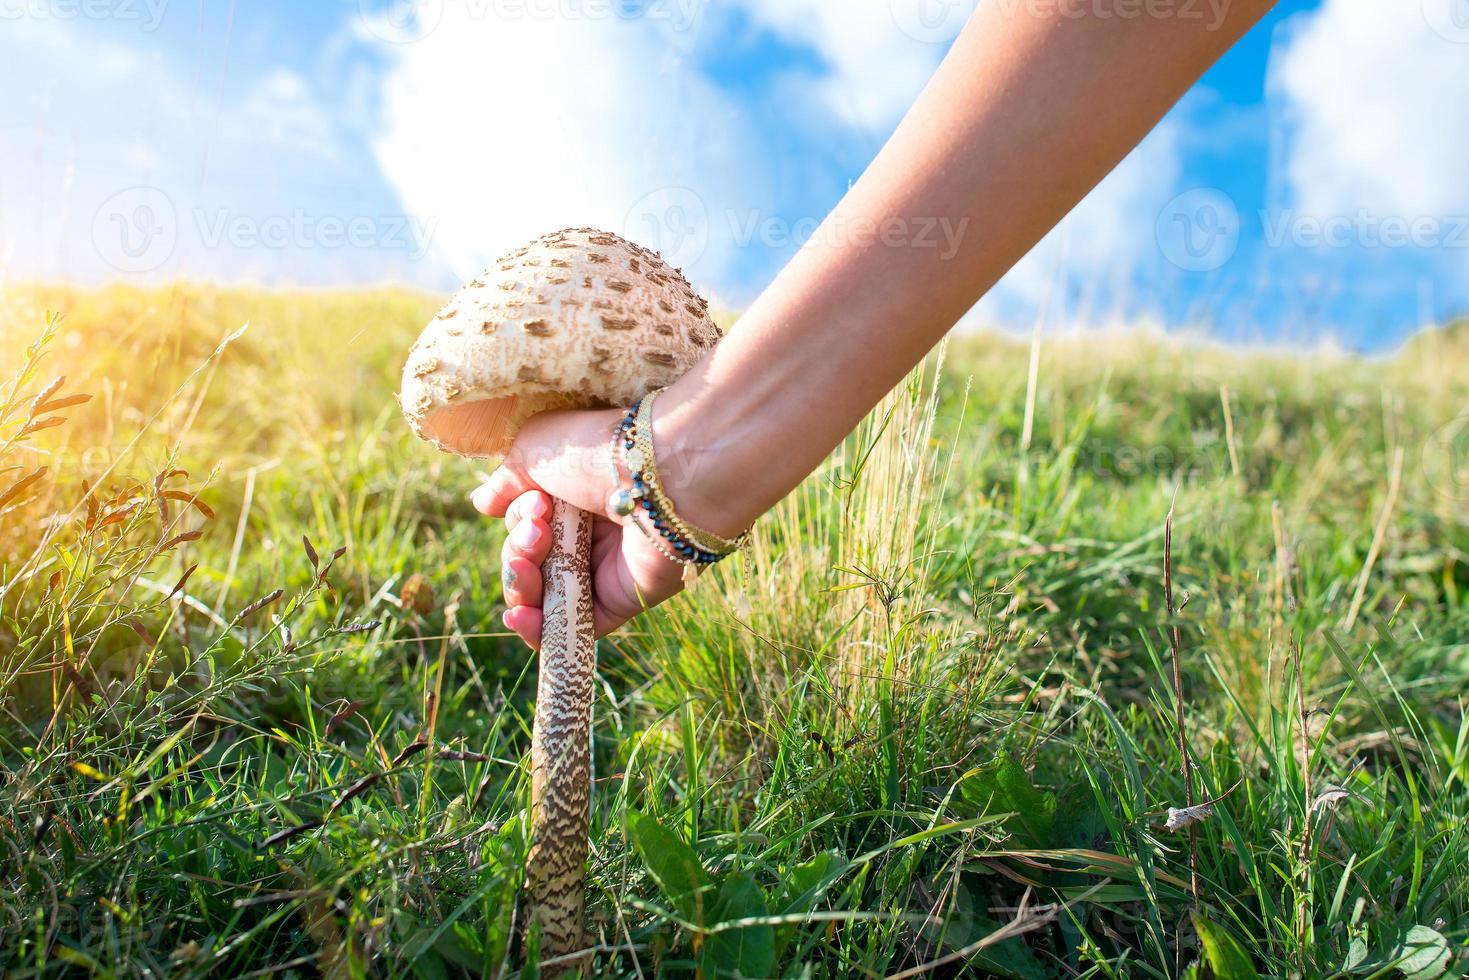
pixel 876 54
pixel 281 110
pixel 112 165
pixel 501 128
pixel 1364 87
pixel 491 123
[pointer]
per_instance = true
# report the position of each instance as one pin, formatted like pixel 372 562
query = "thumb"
pixel 565 454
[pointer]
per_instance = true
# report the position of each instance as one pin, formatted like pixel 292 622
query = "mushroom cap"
pixel 578 318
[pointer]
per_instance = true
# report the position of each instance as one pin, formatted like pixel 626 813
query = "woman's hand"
pixel 566 455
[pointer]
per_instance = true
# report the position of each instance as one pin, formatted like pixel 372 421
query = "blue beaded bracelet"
pixel 625 502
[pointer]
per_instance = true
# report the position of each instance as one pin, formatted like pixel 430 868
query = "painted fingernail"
pixel 508 578
pixel 525 535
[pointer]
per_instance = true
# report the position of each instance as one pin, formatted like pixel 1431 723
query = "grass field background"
pixel 258 715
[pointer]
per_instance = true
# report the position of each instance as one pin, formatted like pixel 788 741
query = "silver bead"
pixel 620 503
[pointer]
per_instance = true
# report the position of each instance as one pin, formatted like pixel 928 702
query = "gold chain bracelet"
pixel 678 540
pixel 700 538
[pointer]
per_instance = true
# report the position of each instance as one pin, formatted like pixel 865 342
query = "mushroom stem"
pixel 560 750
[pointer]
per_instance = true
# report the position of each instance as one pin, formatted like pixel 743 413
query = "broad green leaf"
pixel 457 946
pixel 1010 958
pixel 415 936
pixel 802 888
pixel 499 909
pixel 672 863
pixel 1002 786
pixel 1423 954
pixel 804 883
pixel 1079 823
pixel 1226 957
pixel 748 951
pixel 960 923
pixel 428 965
pixel 1356 954
pixel 472 939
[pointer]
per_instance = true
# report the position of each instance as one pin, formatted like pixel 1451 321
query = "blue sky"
pixel 1311 189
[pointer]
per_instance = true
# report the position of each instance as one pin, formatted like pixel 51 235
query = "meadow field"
pixel 258 715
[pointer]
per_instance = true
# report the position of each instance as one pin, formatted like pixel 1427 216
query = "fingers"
pixel 521 582
pixel 564 454
pixel 533 504
pixel 557 456
pixel 525 548
pixel 525 622
pixel 629 575
pixel 494 497
pixel 521 556
pixel 529 539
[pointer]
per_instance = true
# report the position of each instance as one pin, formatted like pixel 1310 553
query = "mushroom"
pixel 576 319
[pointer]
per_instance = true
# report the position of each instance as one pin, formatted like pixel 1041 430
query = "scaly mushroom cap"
pixel 576 319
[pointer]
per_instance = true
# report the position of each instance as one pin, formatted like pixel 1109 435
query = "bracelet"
pixel 675 538
pixel 680 542
pixel 701 539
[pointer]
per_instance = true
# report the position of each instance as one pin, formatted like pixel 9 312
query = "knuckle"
pixel 516 464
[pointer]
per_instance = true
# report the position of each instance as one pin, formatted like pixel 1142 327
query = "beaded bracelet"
pixel 675 538
pixel 699 538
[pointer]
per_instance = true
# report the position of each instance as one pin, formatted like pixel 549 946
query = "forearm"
pixel 1027 113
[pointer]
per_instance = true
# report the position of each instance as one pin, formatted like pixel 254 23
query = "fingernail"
pixel 538 507
pixel 479 497
pixel 525 535
pixel 507 578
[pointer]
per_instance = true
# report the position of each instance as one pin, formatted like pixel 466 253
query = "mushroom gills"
pixel 465 426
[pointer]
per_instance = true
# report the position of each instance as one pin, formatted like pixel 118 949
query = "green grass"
pixel 927 728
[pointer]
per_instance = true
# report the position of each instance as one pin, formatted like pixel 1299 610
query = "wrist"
pixel 705 462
